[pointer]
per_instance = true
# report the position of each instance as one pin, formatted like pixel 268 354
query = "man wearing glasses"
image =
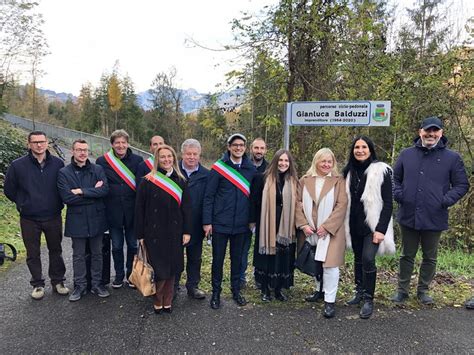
pixel 31 183
pixel 83 186
pixel 226 214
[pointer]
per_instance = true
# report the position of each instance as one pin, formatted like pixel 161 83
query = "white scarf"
pixel 326 205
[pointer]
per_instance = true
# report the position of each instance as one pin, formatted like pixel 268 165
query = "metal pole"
pixel 286 130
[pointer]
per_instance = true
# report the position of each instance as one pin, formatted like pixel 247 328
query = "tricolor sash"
pixel 166 184
pixel 233 176
pixel 149 162
pixel 121 169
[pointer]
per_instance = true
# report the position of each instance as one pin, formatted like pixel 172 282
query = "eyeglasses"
pixel 38 142
pixel 237 145
pixel 81 150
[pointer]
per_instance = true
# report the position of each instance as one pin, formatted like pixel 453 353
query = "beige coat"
pixel 335 222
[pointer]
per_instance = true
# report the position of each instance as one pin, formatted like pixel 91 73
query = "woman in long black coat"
pixel 163 222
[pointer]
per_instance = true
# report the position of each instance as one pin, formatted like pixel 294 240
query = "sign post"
pixel 336 113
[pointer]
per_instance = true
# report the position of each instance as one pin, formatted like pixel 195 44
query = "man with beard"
pixel 226 214
pixel 429 178
pixel 258 149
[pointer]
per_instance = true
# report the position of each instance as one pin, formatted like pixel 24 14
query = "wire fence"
pixel 97 145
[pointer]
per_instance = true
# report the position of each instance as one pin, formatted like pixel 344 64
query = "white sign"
pixel 339 113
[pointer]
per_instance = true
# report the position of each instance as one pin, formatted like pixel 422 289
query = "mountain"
pixel 51 95
pixel 191 100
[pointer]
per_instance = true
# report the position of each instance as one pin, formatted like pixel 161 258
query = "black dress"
pixel 276 271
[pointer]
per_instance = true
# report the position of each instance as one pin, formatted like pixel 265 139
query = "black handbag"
pixel 305 261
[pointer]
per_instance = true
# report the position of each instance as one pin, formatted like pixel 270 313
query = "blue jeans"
pixel 219 246
pixel 118 235
pixel 245 257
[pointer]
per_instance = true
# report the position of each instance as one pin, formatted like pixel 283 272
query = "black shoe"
pixel 356 300
pixel 367 309
pixel 157 310
pixel 399 298
pixel 266 296
pixel 469 303
pixel 196 293
pixel 315 297
pixel 215 300
pixel 280 296
pixel 117 283
pixel 77 294
pixel 167 309
pixel 100 291
pixel 239 299
pixel 329 310
pixel 425 299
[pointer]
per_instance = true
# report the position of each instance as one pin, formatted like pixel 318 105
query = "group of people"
pixel 169 206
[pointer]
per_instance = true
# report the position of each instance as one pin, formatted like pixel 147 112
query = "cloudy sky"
pixel 147 37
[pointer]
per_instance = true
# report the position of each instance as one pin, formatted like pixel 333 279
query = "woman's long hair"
pixel 175 161
pixel 272 169
pixel 351 161
pixel 320 154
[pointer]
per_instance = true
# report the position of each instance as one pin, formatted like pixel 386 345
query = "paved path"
pixel 125 323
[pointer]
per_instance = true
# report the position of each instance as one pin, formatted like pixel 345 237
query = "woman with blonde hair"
pixel 274 201
pixel 320 215
pixel 163 222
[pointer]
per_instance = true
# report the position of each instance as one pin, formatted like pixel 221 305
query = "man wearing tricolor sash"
pixel 120 166
pixel 147 165
pixel 226 214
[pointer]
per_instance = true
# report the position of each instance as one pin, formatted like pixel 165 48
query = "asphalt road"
pixel 125 323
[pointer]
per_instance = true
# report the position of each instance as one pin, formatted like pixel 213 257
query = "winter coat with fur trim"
pixel 373 204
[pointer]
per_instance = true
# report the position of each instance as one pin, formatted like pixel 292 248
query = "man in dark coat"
pixel 226 211
pixel 120 166
pixel 145 166
pixel 83 186
pixel 196 176
pixel 31 183
pixel 258 149
pixel 429 178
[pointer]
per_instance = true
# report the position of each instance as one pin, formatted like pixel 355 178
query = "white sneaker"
pixel 61 289
pixel 38 293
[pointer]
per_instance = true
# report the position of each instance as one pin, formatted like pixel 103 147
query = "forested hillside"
pixel 302 50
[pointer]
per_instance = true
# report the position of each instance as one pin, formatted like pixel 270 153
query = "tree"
pixel 166 107
pixel 21 38
pixel 114 96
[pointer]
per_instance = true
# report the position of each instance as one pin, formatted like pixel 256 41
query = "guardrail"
pixel 98 145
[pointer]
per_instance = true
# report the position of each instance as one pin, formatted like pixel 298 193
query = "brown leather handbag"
pixel 143 275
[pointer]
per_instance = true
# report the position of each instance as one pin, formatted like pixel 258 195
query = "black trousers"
pixel 364 251
pixel 219 245
pixel 364 258
pixel 193 266
pixel 31 234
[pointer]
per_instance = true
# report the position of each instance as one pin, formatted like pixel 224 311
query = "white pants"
pixel 330 283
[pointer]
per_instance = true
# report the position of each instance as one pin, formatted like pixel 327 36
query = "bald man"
pixel 145 166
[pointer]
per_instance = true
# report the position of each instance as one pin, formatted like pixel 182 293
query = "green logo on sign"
pixel 379 115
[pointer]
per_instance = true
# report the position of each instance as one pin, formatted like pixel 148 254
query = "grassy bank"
pixel 452 285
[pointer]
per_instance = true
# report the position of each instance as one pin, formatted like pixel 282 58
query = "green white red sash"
pixel 149 162
pixel 233 176
pixel 166 184
pixel 121 169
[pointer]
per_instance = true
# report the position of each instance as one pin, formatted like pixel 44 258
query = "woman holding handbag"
pixel 163 222
pixel 320 215
pixel 274 204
